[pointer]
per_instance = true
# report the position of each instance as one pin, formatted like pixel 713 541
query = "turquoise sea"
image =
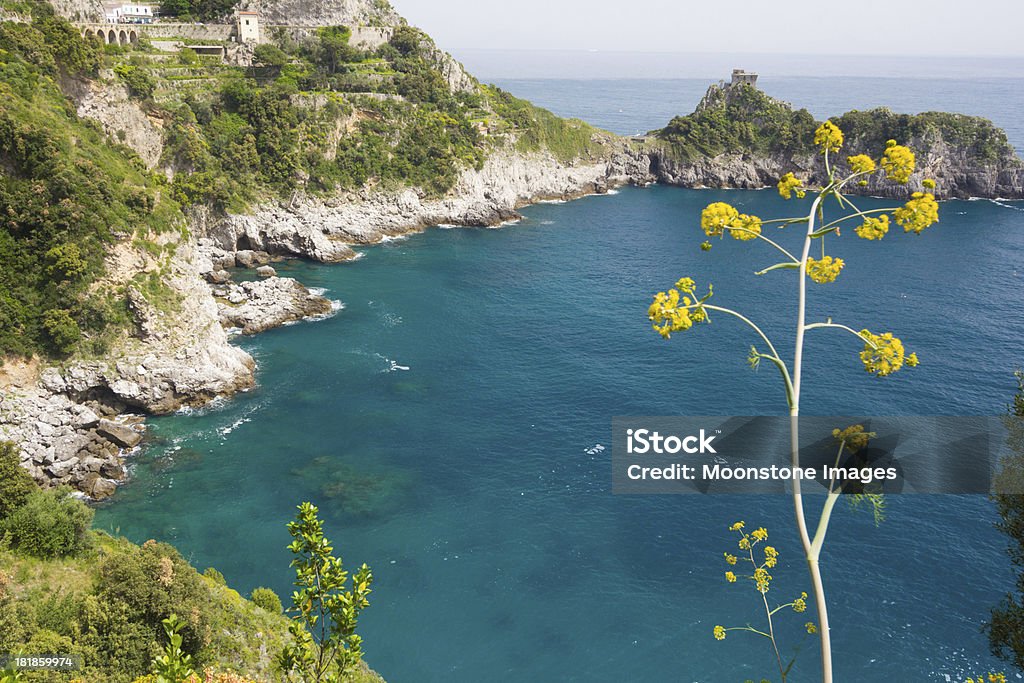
pixel 447 422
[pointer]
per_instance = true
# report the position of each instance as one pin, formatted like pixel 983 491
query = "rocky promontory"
pixel 258 305
pixel 739 137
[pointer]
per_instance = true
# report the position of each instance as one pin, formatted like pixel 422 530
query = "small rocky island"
pixel 740 137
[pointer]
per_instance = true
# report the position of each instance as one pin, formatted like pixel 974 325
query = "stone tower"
pixel 741 77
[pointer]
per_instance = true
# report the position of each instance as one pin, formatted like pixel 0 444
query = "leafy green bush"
pixel 139 81
pixel 269 54
pixel 266 599
pixel 62 329
pixel 214 575
pixel 740 119
pixel 16 483
pixel 50 524
pixel 202 10
pixel 135 591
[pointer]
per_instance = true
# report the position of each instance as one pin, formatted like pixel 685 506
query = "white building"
pixel 129 14
pixel 248 27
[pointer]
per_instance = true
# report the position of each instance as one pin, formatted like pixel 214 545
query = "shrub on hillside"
pixel 15 482
pixel 149 585
pixel 50 524
pixel 266 599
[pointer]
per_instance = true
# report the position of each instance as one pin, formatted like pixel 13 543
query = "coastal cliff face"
pixel 738 137
pixel 325 13
pixel 325 229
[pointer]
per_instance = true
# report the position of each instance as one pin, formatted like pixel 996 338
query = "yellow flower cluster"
pixel 853 436
pixel 861 163
pixel 873 228
pixel 991 678
pixel 883 354
pixel 800 604
pixel 746 227
pixel 705 246
pixel 737 526
pixel 771 556
pixel 788 184
pixel 762 578
pixel 920 211
pixel 671 311
pixel 928 183
pixel 760 534
pixel 730 559
pixel 719 633
pixel 828 137
pixel 730 577
pixel 718 217
pixel 825 269
pixel 811 628
pixel 898 162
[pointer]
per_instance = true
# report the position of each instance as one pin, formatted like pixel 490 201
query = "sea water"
pixel 452 422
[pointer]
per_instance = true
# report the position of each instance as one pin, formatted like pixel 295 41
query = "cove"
pixel 446 423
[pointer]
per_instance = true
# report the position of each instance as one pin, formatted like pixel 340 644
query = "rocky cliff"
pixel 325 12
pixel 325 229
pixel 739 137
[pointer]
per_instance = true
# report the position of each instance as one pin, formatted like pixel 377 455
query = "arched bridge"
pixel 111 34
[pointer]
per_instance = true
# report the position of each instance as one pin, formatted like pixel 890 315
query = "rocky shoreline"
pixel 77 423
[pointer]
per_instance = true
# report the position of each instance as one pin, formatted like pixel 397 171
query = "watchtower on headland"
pixel 741 77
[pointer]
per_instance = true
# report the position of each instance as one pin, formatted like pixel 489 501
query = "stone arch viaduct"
pixel 111 34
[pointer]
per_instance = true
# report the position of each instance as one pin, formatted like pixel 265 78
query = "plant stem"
pixel 775 358
pixel 811 550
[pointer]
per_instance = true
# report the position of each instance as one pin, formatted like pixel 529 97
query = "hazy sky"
pixel 898 27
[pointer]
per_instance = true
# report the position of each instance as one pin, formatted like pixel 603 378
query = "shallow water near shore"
pixel 446 422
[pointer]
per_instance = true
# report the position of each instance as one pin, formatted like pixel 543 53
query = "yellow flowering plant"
pixel 881 354
pixel 761 558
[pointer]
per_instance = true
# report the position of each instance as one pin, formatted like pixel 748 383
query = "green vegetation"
pixel 67 195
pixel 323 605
pixel 539 129
pixel 316 116
pixel 740 119
pixel 49 524
pixel 198 10
pixel 978 137
pixel 141 612
pixel 266 599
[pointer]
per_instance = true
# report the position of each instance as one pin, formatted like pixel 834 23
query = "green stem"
pixel 825 229
pixel 783 370
pixel 839 326
pixel 798 505
pixel 762 237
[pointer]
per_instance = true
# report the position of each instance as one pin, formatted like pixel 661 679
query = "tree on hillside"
pixel 324 610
